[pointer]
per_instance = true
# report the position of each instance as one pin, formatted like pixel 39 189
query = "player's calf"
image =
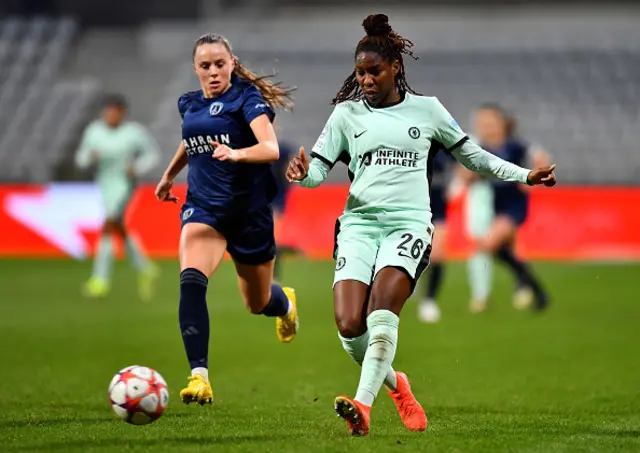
pixel 194 325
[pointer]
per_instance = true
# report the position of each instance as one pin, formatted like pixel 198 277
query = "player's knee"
pixel 351 326
pixel 487 245
pixel 107 227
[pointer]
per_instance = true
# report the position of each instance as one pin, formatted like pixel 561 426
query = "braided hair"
pixel 273 92
pixel 384 41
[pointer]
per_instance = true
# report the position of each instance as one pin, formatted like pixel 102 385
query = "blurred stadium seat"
pixel 40 117
pixel 570 79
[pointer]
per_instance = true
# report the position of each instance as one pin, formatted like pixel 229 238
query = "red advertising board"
pixel 60 220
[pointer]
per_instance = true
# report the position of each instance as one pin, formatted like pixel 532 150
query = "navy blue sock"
pixel 523 274
pixel 435 280
pixel 194 317
pixel 278 304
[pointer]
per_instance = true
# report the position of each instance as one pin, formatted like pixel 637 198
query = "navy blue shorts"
pixel 514 207
pixel 250 237
pixel 438 205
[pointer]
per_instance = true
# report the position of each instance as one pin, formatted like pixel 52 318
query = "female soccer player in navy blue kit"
pixel 228 143
pixel 496 133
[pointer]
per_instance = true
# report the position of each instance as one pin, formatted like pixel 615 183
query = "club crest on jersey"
pixel 187 213
pixel 215 108
pixel 414 132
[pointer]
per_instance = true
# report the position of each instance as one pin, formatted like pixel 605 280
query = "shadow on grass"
pixel 65 421
pixel 120 444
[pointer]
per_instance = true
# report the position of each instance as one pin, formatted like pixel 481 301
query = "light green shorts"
pixel 116 198
pixel 364 249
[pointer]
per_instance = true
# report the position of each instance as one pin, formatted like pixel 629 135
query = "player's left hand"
pixel 542 175
pixel 223 152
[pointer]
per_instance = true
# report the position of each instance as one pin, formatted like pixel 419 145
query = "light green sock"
pixel 357 347
pixel 135 254
pixel 104 259
pixel 480 268
pixel 383 338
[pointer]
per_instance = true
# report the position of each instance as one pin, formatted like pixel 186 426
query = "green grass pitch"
pixel 503 381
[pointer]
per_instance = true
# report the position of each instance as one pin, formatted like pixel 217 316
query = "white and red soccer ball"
pixel 138 395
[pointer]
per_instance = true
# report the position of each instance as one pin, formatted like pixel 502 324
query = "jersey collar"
pixel 403 96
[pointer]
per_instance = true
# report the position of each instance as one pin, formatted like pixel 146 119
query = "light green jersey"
pixel 389 153
pixel 117 151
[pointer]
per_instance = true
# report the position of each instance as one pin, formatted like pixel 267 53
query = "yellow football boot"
pixel 95 288
pixel 198 391
pixel 523 298
pixel 287 325
pixel 478 306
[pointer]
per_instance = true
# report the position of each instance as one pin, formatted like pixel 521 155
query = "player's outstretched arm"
pixel 179 161
pixel 307 174
pixel 483 162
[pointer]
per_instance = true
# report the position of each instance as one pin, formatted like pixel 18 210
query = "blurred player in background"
pixel 228 142
pixel 441 176
pixel 387 134
pixel 496 211
pixel 479 215
pixel 121 151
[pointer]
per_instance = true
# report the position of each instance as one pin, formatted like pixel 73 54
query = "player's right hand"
pixel 163 191
pixel 298 167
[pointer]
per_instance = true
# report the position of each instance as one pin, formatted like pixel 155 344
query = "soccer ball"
pixel 138 395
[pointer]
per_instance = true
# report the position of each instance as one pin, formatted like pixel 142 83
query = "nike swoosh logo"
pixel 358 135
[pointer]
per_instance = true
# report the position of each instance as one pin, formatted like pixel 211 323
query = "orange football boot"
pixel 409 409
pixel 355 414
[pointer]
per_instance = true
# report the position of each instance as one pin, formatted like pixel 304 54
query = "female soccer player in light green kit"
pixel 386 132
pixel 121 151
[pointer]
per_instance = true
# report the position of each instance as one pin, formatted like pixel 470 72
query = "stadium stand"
pixel 39 116
pixel 572 81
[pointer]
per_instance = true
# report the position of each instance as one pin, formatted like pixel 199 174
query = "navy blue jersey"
pixel 442 167
pixel 212 184
pixel 509 199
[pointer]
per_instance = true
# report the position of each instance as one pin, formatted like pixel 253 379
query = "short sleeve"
pixel 331 142
pixel 255 105
pixel 447 130
pixel 183 104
